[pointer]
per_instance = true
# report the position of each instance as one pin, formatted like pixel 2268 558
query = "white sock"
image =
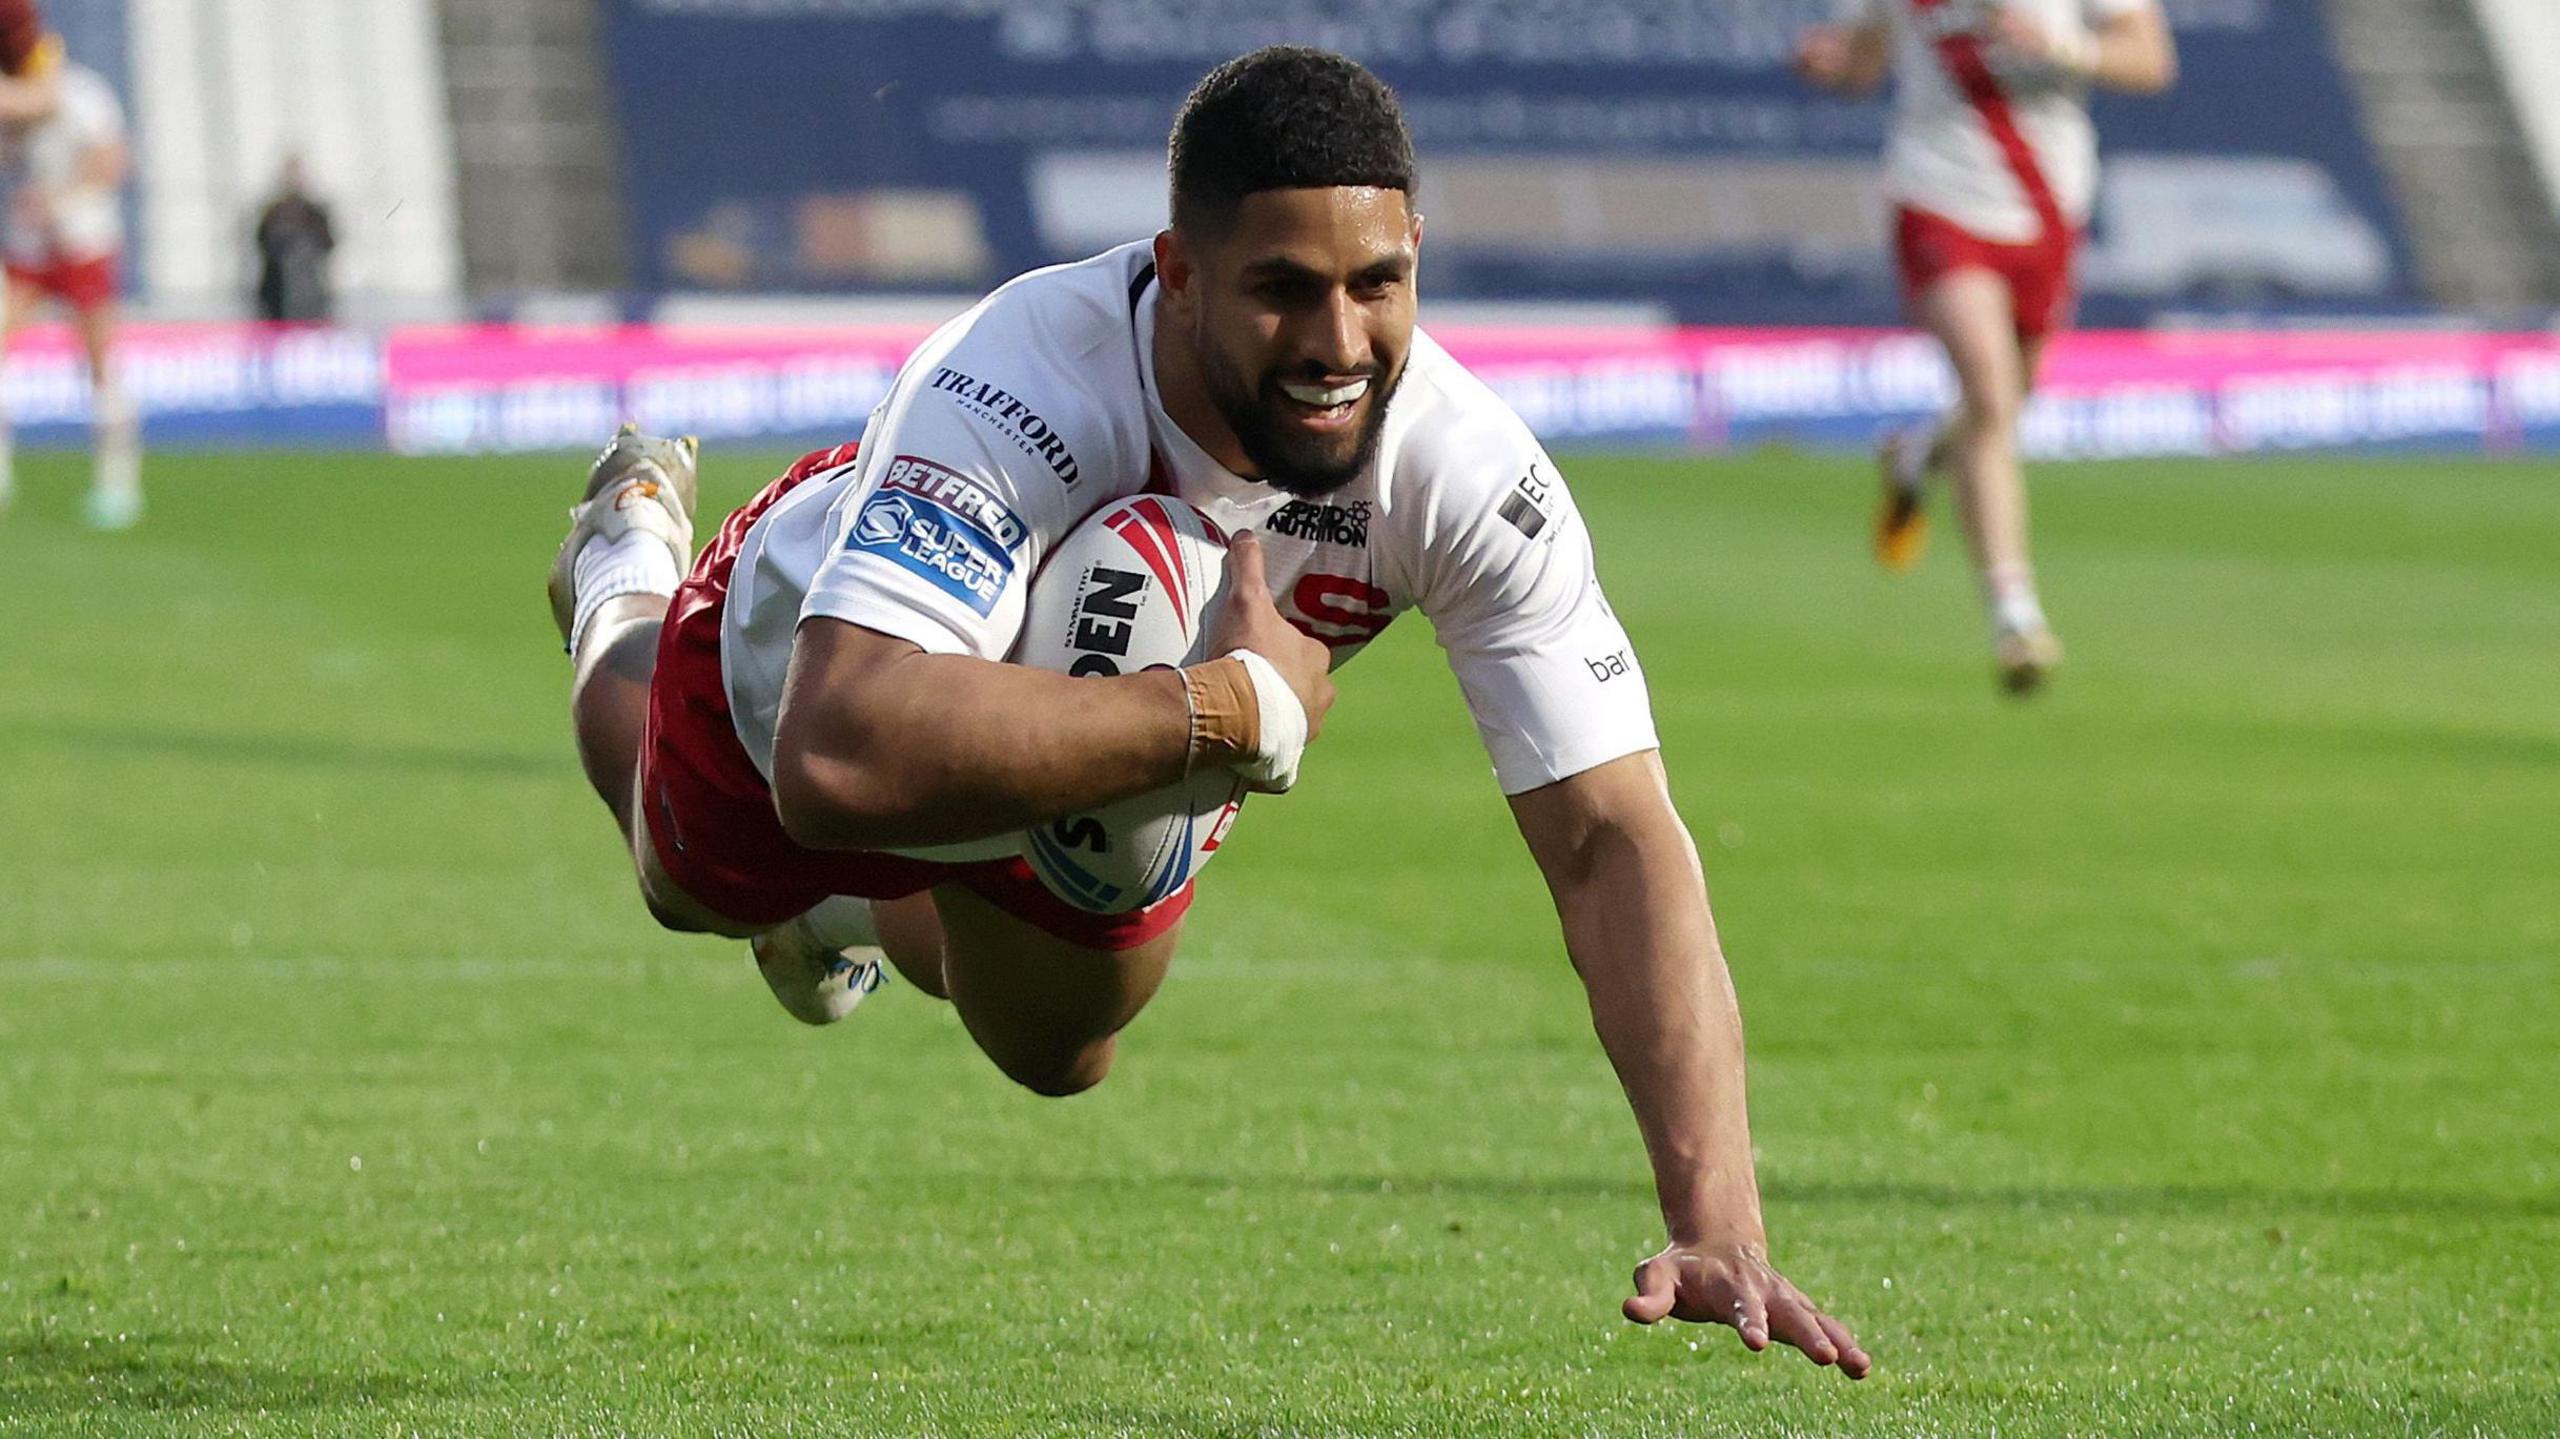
pixel 1912 448
pixel 117 469
pixel 2014 606
pixel 639 563
pixel 8 461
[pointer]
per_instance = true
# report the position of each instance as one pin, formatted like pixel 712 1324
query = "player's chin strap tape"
pixel 1244 716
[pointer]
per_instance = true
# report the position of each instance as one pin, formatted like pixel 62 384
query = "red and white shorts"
pixel 83 284
pixel 710 811
pixel 1927 248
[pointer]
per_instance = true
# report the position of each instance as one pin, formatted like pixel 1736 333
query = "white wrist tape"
pixel 1283 741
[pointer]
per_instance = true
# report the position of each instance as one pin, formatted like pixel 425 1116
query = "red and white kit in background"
pixel 1991 162
pixel 60 233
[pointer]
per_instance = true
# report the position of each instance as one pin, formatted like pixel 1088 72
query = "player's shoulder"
pixel 1453 441
pixel 1047 364
pixel 1467 487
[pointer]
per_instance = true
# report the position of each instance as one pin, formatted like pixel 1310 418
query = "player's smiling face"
pixel 1300 317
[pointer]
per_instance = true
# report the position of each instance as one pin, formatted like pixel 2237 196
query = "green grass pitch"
pixel 2171 1056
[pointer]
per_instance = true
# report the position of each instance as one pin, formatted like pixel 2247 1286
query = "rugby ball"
pixel 1129 589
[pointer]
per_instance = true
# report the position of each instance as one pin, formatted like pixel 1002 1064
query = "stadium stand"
pixel 1596 148
pixel 2438 100
pixel 540 195
pixel 1643 228
pixel 2524 36
pixel 223 90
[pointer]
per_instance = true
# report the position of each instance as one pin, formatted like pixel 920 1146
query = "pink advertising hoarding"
pixel 2104 393
pixel 473 389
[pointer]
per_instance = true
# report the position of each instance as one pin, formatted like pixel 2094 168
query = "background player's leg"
pixel 1970 313
pixel 17 311
pixel 115 490
pixel 1046 1011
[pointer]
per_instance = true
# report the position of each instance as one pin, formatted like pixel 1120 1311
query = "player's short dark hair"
pixel 1285 117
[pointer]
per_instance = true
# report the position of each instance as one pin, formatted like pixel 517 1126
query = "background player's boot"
pixel 2027 658
pixel 822 965
pixel 1902 516
pixel 639 483
pixel 113 509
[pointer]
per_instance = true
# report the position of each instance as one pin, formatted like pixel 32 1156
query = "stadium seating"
pixel 1600 149
pixel 357 91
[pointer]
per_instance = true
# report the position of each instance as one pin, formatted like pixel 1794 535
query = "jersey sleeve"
pixel 1512 595
pixel 2098 12
pixel 964 484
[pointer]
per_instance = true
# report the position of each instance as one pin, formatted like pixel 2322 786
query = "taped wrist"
pixel 1244 716
pixel 1226 719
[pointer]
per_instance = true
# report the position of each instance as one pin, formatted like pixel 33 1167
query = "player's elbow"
pixel 837 802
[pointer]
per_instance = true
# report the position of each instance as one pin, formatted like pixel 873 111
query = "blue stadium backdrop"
pixel 1656 149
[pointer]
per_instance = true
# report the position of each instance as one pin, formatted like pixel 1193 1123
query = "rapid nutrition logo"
pixel 1344 524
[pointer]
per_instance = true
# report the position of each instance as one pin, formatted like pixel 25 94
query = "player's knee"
pixel 671 917
pixel 1993 410
pixel 1057 1072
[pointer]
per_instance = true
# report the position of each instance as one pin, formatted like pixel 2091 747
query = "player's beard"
pixel 1283 457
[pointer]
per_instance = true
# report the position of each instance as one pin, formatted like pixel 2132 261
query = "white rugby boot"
pixel 640 483
pixel 822 965
pixel 2027 656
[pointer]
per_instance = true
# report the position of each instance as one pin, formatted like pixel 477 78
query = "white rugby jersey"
pixel 85 221
pixel 1972 147
pixel 1039 406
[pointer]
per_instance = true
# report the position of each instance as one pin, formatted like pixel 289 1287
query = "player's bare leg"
pixel 630 541
pixel 17 310
pixel 630 536
pixel 1969 313
pixel 1048 1012
pixel 115 487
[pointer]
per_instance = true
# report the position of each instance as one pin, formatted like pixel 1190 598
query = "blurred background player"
pixel 62 161
pixel 1992 165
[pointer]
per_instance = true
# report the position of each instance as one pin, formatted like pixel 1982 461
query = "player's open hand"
pixel 1249 621
pixel 1733 1284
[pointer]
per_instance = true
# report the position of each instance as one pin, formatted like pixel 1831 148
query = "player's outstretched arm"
pixel 2132 53
pixel 1633 902
pixel 881 745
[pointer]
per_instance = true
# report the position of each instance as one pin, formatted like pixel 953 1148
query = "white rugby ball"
pixel 1129 588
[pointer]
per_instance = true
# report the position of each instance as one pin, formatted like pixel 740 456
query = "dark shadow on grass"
pixel 285 751
pixel 2405 739
pixel 2237 1201
pixel 64 1375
